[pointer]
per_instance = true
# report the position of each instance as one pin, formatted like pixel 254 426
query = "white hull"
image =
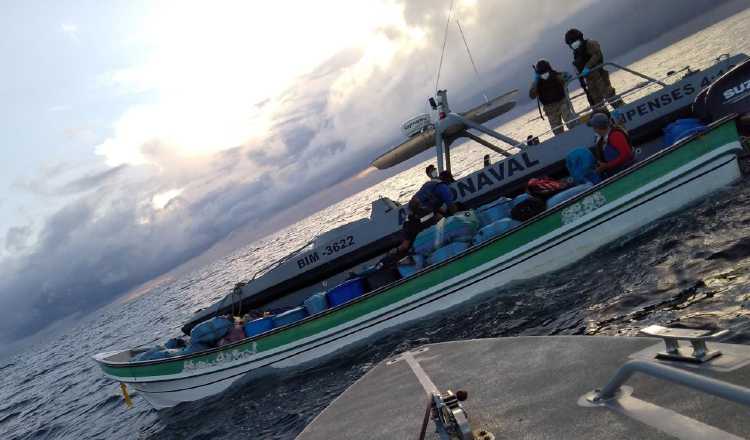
pixel 553 251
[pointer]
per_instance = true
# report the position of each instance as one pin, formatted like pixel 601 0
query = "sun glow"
pixel 214 68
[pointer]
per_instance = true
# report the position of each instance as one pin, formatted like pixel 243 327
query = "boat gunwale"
pixel 637 166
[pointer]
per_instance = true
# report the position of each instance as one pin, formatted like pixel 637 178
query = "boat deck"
pixel 531 388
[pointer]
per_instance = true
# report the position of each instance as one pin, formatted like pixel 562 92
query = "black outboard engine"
pixel 729 94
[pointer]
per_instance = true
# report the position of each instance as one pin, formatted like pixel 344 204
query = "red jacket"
pixel 617 152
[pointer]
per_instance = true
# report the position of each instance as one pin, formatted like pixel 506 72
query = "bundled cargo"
pixel 494 229
pixel 567 194
pixel 316 303
pixel 290 317
pixel 258 326
pixel 681 129
pixel 407 270
pixel 428 240
pixel 158 352
pixel 448 251
pixel 346 292
pixel 461 226
pixel 494 211
pixel 209 332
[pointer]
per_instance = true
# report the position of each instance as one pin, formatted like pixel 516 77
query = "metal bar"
pixel 631 71
pixel 704 384
pixel 479 140
pixel 508 140
pixel 429 387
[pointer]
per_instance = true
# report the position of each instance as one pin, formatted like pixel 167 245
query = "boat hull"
pixel 586 224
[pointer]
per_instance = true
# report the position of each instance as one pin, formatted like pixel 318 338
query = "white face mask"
pixel 434 174
pixel 545 75
pixel 576 44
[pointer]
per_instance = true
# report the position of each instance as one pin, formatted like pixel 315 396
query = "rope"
pixel 471 58
pixel 445 44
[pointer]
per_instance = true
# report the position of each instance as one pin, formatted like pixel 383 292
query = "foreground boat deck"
pixel 530 387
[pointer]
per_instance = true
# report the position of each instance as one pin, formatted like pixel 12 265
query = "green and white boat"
pixel 659 184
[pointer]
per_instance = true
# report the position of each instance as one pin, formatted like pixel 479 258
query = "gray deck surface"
pixel 528 388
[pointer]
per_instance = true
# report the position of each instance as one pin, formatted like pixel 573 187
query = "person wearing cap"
pixel 613 151
pixel 587 54
pixel 549 87
pixel 434 197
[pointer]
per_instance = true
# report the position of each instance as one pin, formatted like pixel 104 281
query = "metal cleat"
pixel 697 338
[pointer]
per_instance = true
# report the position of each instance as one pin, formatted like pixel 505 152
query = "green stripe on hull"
pixel 661 166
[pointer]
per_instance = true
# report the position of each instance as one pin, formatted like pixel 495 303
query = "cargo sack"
pixel 494 211
pixel 175 343
pixel 447 252
pixel 461 226
pixel 428 240
pixel 581 165
pixel 567 194
pixel 209 332
pixel 494 229
pixel 316 303
pixel 156 353
pixel 681 129
pixel 527 209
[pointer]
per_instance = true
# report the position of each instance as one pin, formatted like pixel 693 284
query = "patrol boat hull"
pixel 618 206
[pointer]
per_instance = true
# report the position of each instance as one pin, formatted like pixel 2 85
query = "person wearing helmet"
pixel 587 54
pixel 612 150
pixel 549 88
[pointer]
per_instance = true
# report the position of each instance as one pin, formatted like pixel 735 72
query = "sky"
pixel 136 135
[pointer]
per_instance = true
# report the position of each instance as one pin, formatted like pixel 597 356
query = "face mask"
pixel 576 44
pixel 544 75
pixel 434 174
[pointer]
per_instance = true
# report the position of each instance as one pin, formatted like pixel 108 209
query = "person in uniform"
pixel 549 88
pixel 587 54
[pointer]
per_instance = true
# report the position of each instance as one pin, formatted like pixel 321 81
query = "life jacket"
pixel 528 209
pixel 581 56
pixel 607 153
pixel 544 187
pixel 550 90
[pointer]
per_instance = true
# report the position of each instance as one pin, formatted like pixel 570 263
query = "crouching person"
pixel 613 150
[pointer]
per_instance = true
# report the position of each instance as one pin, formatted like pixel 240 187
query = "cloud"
pixel 17 237
pixel 323 128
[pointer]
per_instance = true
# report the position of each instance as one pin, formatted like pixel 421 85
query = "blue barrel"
pixel 290 316
pixel 258 326
pixel 316 303
pixel 346 292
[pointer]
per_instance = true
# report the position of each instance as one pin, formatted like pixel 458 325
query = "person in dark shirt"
pixel 434 197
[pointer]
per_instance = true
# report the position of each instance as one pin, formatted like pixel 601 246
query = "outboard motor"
pixel 729 94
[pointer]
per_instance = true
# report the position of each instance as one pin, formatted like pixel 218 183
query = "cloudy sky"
pixel 137 134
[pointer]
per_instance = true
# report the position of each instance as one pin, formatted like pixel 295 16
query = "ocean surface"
pixel 692 268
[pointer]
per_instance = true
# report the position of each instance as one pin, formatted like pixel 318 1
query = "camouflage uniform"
pixel 599 87
pixel 559 110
